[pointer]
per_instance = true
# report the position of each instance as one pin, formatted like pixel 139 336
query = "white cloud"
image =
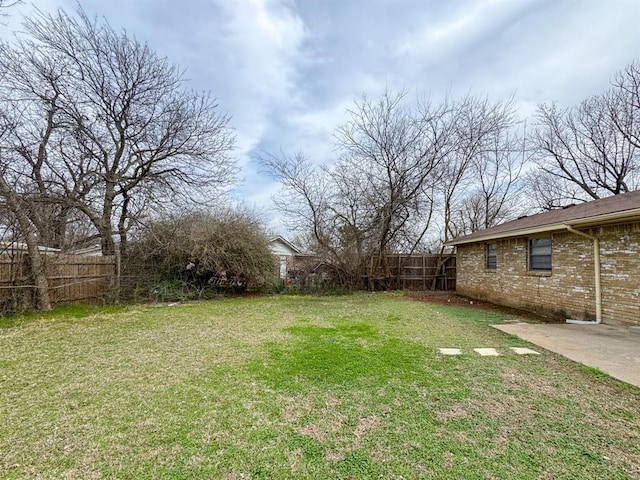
pixel 442 37
pixel 286 70
pixel 254 60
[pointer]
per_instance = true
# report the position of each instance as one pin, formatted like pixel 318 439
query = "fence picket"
pixel 416 272
pixel 72 279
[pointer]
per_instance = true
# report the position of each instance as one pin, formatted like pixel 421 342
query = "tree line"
pixel 101 139
pixel 412 175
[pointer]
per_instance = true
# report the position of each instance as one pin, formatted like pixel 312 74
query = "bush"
pixel 199 254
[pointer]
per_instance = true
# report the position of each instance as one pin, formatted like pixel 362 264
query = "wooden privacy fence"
pixel 414 272
pixel 72 279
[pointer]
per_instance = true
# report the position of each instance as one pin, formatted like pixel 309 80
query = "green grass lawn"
pixel 344 387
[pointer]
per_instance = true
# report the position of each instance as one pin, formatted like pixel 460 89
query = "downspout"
pixel 596 266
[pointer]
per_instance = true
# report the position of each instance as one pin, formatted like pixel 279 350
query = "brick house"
pixel 581 262
pixel 286 253
pixel 293 262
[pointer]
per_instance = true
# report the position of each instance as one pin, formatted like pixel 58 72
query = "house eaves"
pixel 625 216
pixel 294 249
pixel 285 242
pixel 20 247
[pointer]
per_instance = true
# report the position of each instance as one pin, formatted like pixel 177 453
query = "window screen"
pixel 492 256
pixel 540 254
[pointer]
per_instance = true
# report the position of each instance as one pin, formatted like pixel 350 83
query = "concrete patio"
pixel 614 350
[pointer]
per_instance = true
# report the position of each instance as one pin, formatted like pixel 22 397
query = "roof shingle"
pixel 623 207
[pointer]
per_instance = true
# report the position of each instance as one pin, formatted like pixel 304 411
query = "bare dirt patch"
pixel 456 411
pixel 521 382
pixel 313 431
pixel 366 424
pixel 333 456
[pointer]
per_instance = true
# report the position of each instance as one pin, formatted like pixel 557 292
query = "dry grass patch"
pixel 300 387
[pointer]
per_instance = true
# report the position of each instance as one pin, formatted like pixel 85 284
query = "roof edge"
pixel 603 219
pixel 286 242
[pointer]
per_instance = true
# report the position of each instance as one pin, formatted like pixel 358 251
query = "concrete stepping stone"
pixel 487 352
pixel 524 351
pixel 450 351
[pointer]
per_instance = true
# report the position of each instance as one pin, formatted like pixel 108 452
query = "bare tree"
pixel 31 98
pixel 592 150
pixel 313 209
pixel 479 160
pixel 390 153
pixel 110 125
pixel 377 198
pixel 12 202
pixel 623 102
pixel 494 189
pixel 397 165
pixel 96 127
pixel 470 179
pixel 19 209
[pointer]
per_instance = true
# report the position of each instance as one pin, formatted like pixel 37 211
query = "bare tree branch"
pixel 104 125
pixel 397 165
pixel 592 150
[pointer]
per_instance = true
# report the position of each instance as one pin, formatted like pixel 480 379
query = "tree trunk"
pixel 106 242
pixel 38 273
pixel 106 232
pixel 36 262
pixel 122 224
pixel 439 263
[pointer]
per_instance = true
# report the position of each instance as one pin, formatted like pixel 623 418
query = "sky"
pixel 287 70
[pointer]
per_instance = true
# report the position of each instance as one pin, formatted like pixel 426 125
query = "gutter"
pixel 522 232
pixel 596 266
pixel 596 220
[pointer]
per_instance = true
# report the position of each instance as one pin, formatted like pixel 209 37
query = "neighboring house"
pixel 580 262
pixel 14 248
pixel 90 251
pixel 288 255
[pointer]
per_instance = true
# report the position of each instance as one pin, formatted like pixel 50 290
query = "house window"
pixel 540 254
pixel 492 256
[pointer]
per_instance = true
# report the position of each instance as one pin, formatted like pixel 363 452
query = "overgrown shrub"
pixel 199 254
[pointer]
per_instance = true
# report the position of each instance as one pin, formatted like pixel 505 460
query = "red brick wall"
pixel 568 290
